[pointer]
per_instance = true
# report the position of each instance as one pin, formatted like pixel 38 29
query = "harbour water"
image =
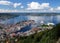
pixel 38 19
pixel 46 19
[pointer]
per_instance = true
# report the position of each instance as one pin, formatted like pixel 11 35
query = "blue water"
pixel 28 27
pixel 15 20
pixel 46 19
pixel 53 19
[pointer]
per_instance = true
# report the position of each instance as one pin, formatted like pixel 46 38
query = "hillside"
pixel 48 36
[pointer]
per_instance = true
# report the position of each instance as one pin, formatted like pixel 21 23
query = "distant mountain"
pixel 7 15
pixel 32 14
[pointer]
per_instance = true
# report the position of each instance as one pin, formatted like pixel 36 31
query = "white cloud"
pixel 2 2
pixel 33 5
pixel 43 7
pixel 5 10
pixel 16 4
pixel 58 8
pixel 5 2
pixel 51 9
pixel 22 6
pixel 36 5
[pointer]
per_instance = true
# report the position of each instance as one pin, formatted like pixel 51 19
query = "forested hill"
pixel 48 36
pixel 32 14
pixel 7 15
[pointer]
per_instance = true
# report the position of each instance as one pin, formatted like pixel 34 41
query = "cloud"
pixel 16 4
pixel 2 2
pixel 36 5
pixel 5 10
pixel 22 6
pixel 41 7
pixel 44 5
pixel 58 8
pixel 51 9
pixel 5 2
pixel 31 7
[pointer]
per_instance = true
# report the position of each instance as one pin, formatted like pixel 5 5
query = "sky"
pixel 29 5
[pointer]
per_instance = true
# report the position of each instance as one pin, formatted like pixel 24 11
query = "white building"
pixel 50 24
